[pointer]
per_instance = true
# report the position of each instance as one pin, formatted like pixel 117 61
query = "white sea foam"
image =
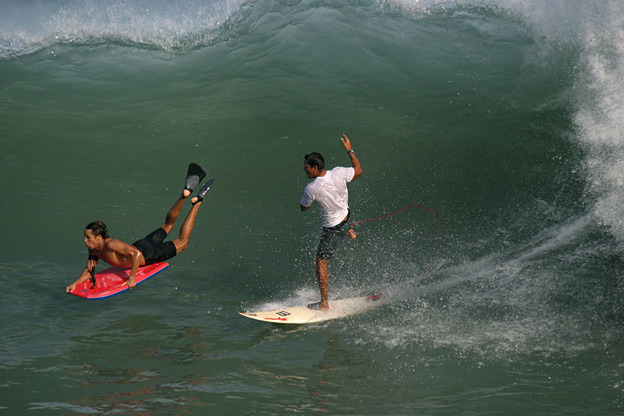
pixel 600 120
pixel 171 26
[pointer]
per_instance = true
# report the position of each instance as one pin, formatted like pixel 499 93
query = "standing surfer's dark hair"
pixel 315 159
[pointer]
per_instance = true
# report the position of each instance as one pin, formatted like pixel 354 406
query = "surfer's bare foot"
pixel 351 234
pixel 319 306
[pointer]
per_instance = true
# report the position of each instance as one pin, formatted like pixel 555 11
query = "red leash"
pixel 435 259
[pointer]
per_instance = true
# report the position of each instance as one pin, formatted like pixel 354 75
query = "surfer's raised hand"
pixel 354 160
pixel 346 143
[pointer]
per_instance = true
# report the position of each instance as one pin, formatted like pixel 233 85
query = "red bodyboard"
pixel 111 281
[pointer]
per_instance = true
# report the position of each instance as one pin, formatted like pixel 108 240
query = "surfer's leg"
pixel 324 252
pixel 173 215
pixel 194 175
pixel 181 243
pixel 322 276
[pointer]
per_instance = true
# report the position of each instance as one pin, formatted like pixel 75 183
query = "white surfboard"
pixel 303 315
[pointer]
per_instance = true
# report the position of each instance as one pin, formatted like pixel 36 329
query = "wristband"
pixel 350 151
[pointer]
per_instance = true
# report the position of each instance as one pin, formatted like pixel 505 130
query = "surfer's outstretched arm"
pixel 357 166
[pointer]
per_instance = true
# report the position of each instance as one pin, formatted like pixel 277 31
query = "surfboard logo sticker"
pixel 282 313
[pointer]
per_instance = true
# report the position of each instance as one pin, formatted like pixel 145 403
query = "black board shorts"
pixel 154 248
pixel 329 239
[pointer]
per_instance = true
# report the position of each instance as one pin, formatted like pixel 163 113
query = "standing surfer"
pixel 329 191
pixel 152 248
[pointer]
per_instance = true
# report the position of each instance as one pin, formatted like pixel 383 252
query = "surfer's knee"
pixel 168 227
pixel 181 244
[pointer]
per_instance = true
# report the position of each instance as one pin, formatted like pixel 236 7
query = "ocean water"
pixel 505 118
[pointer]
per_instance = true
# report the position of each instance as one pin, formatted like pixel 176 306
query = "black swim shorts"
pixel 154 249
pixel 329 240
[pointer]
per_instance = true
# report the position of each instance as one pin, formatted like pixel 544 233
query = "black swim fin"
pixel 194 176
pixel 203 191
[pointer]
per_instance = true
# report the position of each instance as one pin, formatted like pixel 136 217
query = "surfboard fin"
pixel 194 176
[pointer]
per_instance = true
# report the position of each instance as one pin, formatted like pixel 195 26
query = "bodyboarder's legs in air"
pixel 150 249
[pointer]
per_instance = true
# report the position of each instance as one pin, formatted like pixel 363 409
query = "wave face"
pixel 503 117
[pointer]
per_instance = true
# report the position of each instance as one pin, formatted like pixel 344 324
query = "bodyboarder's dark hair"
pixel 98 228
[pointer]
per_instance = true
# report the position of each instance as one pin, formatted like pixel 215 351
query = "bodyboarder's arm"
pixel 125 250
pixel 136 262
pixel 85 275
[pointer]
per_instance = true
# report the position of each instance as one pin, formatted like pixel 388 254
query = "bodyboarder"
pixel 150 249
